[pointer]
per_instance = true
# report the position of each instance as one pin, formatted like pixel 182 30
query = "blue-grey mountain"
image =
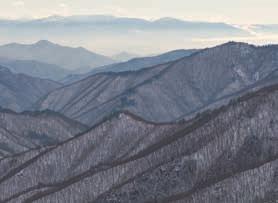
pixel 226 155
pixel 20 92
pixel 132 65
pixel 47 52
pixel 168 91
pixel 35 68
pixel 110 34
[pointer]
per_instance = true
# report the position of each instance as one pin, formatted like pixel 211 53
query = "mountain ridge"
pixel 35 68
pixel 186 153
pixel 133 64
pixel 52 53
pixel 106 35
pixel 243 66
pixel 20 132
pixel 20 91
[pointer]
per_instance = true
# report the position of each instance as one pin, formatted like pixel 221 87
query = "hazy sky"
pixel 231 11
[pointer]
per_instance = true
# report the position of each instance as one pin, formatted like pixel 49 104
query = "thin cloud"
pixel 62 5
pixel 64 9
pixel 18 3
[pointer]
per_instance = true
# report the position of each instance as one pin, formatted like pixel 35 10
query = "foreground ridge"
pixel 20 132
pixel 225 155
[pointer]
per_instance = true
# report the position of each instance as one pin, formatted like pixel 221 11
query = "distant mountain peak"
pixel 64 56
pixel 44 43
pixel 235 46
pixel 233 43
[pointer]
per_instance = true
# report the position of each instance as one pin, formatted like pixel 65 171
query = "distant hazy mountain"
pixel 125 22
pixel 144 62
pixel 227 155
pixel 133 64
pixel 124 56
pixel 35 68
pixel 110 34
pixel 25 131
pixel 47 52
pixel 169 91
pixel 265 29
pixel 19 92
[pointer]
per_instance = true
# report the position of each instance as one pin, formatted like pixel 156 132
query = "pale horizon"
pixel 233 12
pixel 244 15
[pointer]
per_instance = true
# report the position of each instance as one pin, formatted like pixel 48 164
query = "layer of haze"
pixel 236 11
pixel 240 13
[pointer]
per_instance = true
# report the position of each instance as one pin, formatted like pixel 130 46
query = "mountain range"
pixel 47 52
pixel 168 91
pixel 226 155
pixel 109 34
pixel 35 60
pixel 186 126
pixel 118 23
pixel 144 62
pixel 132 64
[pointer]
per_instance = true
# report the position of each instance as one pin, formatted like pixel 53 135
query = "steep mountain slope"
pixel 47 52
pixel 25 131
pixel 144 62
pixel 133 64
pixel 225 155
pixel 35 68
pixel 169 91
pixel 19 92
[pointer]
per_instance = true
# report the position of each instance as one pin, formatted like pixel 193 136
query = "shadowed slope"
pixel 19 92
pixel 133 64
pixel 167 92
pixel 226 155
pixel 23 131
pixel 35 68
